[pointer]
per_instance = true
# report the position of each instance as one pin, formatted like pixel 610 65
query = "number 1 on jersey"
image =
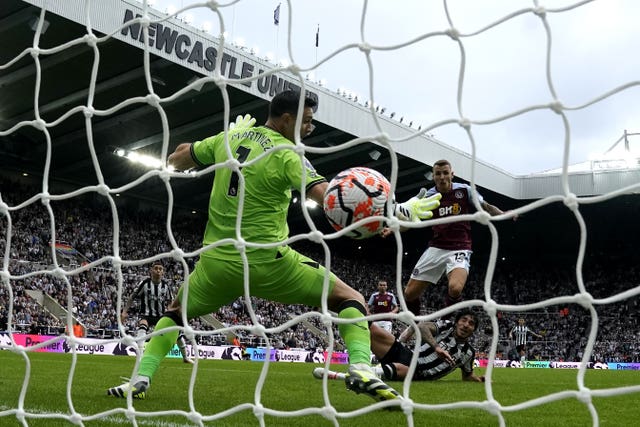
pixel 243 153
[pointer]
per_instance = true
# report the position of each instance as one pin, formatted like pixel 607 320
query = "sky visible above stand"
pixel 593 52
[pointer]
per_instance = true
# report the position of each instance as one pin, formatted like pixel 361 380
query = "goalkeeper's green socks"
pixel 157 348
pixel 356 336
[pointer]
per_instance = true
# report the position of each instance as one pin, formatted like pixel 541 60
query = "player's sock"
pixel 182 345
pixel 157 348
pixel 414 306
pixel 142 331
pixel 355 335
pixel 378 370
pixel 389 372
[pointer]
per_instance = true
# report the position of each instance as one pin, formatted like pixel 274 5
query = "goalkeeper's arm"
pixel 182 158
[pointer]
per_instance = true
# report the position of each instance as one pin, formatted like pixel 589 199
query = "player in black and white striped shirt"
pixel 445 347
pixel 153 295
pixel 520 334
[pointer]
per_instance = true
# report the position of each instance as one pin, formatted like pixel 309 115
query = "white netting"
pixel 551 102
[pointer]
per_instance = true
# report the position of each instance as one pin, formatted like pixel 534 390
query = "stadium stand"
pixel 88 231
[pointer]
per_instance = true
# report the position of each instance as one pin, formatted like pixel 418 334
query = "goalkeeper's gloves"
pixel 243 122
pixel 418 207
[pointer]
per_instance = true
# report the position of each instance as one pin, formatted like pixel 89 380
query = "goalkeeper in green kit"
pixel 271 168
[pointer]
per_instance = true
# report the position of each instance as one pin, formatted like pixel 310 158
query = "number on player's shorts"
pixel 461 256
pixel 243 153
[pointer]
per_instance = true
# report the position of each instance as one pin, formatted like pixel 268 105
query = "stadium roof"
pixel 181 54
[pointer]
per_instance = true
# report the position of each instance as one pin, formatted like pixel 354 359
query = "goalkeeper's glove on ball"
pixel 418 208
pixel 243 122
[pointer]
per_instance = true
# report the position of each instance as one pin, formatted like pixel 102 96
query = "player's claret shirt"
pixel 431 367
pixel 268 183
pixel 458 201
pixel 382 303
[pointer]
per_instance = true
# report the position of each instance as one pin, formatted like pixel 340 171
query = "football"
pixel 355 194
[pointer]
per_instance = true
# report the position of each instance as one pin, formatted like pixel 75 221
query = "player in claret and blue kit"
pixel 449 250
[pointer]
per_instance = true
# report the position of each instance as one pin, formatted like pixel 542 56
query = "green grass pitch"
pixel 222 387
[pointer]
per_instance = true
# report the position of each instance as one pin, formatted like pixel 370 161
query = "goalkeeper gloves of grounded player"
pixel 418 208
pixel 243 122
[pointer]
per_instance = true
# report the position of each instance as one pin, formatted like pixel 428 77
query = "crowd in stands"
pixel 86 224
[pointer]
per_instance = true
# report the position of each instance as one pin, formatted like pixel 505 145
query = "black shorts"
pixel 151 320
pixel 397 354
pixel 521 347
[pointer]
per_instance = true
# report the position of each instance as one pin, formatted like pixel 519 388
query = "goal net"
pixel 200 38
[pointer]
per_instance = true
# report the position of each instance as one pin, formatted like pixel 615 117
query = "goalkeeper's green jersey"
pixel 268 185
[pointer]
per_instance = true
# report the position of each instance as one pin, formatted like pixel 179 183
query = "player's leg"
pixel 381 340
pixel 385 324
pixel 457 267
pixel 182 346
pixel 143 327
pixel 413 293
pixel 159 345
pixel 332 375
pixel 362 378
pixel 457 279
pixel 427 271
pixel 203 297
pixel 349 304
pixel 523 355
pixel 154 352
pixel 394 357
pixel 293 278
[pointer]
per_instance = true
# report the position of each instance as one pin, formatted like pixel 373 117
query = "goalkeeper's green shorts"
pixel 289 278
